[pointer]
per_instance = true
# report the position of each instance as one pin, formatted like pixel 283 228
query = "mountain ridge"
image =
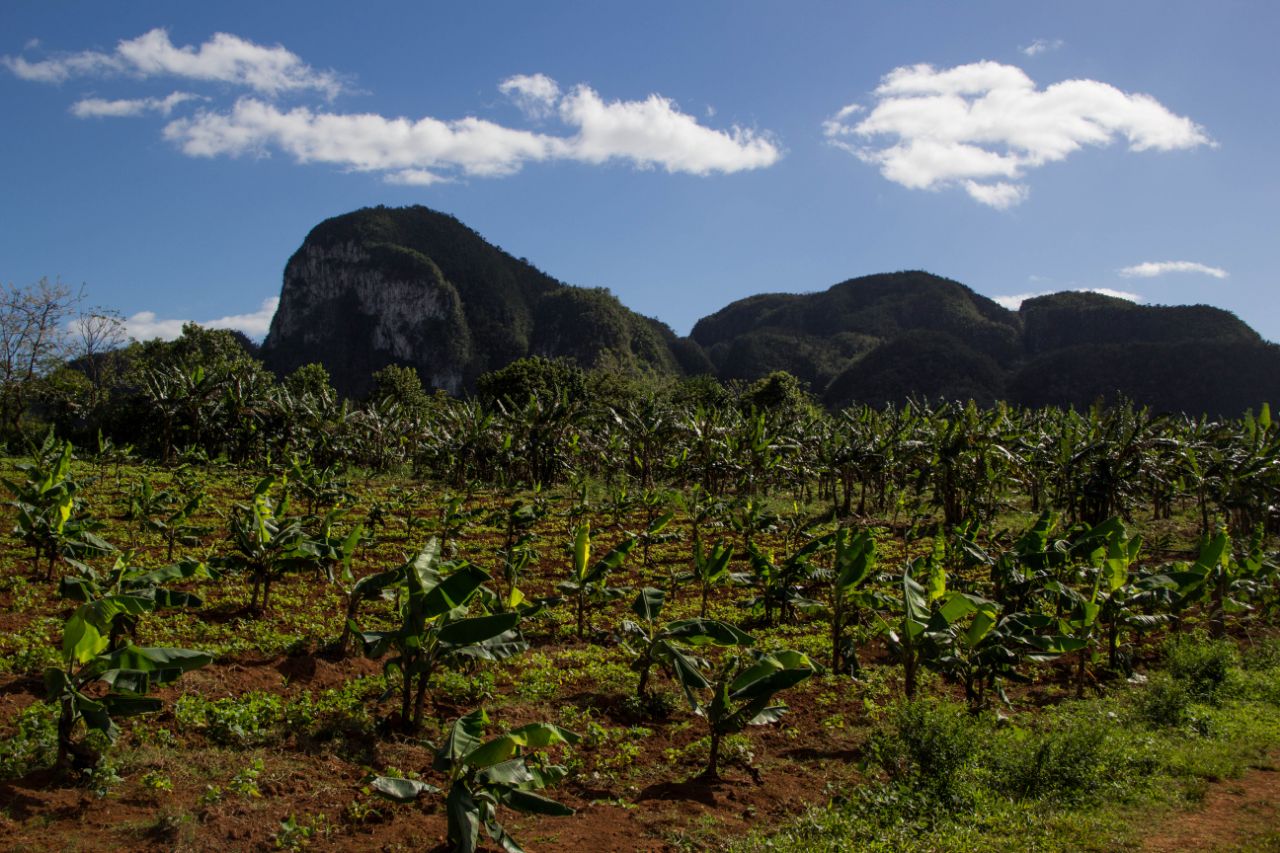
pixel 413 286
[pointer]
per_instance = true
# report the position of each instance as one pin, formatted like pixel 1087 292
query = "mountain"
pixel 411 286
pixel 883 338
pixel 416 287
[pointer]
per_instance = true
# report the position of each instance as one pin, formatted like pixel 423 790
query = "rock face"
pixel 415 287
pixel 412 286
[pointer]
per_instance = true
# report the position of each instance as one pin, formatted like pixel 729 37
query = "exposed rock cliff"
pixel 416 287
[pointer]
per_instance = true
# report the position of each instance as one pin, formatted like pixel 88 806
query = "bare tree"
pixel 96 335
pixel 33 341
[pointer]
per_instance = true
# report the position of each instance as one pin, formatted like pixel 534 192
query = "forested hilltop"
pixel 414 287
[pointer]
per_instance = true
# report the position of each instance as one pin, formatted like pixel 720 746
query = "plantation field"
pixel 1063 678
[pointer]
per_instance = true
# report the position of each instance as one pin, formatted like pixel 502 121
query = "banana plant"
pixel 1108 553
pixel 160 512
pixel 332 548
pixel 780 586
pixel 650 644
pixel 915 610
pixel 742 694
pixel 453 519
pixel 586 583
pixel 1220 581
pixel 483 775
pixel 267 543
pixel 657 518
pixel 129 672
pixel 853 566
pixel 49 513
pixel 137 589
pixel 518 551
pixel 710 569
pixel 435 630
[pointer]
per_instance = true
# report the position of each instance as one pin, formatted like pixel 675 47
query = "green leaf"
pixel 454 591
pixel 401 790
pixel 477 629
pixel 464 819
pixel 699 632
pixel 506 772
pixel 530 803
pixel 81 640
pixel 648 603
pixel 464 738
pixel 581 551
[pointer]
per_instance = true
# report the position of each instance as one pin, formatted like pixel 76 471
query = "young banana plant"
pixel 435 630
pixel 586 583
pixel 1108 553
pixel 651 644
pixel 268 544
pixel 518 551
pixel 129 672
pixel 49 513
pixel 853 566
pixel 742 694
pixel 915 612
pixel 780 585
pixel 141 590
pixel 482 775
pixel 710 568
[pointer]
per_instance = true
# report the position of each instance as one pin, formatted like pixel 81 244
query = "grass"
pixel 1086 775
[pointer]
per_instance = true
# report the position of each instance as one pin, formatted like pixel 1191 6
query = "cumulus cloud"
pixel 1040 46
pixel 648 133
pixel 1014 301
pixel 146 325
pixel 128 107
pixel 411 151
pixel 652 132
pixel 1151 269
pixel 535 94
pixel 981 127
pixel 225 58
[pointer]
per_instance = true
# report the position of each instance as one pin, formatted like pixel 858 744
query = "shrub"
pixel 1069 761
pixel 928 745
pixel 1201 664
pixel 1165 702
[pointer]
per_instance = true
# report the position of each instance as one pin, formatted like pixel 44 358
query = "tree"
pixel 33 341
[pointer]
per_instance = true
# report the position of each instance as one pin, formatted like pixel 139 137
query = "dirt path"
pixel 1237 814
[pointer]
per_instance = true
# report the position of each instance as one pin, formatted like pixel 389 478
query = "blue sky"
pixel 171 157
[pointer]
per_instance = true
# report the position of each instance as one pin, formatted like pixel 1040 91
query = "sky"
pixel 170 157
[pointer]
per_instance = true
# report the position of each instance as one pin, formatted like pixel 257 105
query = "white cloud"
pixel 224 58
pixel 1151 269
pixel 145 325
pixel 999 195
pixel 982 126
pixel 1014 301
pixel 127 107
pixel 362 142
pixel 1040 46
pixel 535 94
pixel 646 133
pixel 655 132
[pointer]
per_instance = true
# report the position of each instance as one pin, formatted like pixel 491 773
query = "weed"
pixel 32 743
pixel 1201 664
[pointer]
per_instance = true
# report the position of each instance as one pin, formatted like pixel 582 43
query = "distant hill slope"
pixel 417 287
pixel 883 338
pixel 412 286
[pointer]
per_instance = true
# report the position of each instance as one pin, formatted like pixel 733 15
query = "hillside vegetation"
pixel 414 287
